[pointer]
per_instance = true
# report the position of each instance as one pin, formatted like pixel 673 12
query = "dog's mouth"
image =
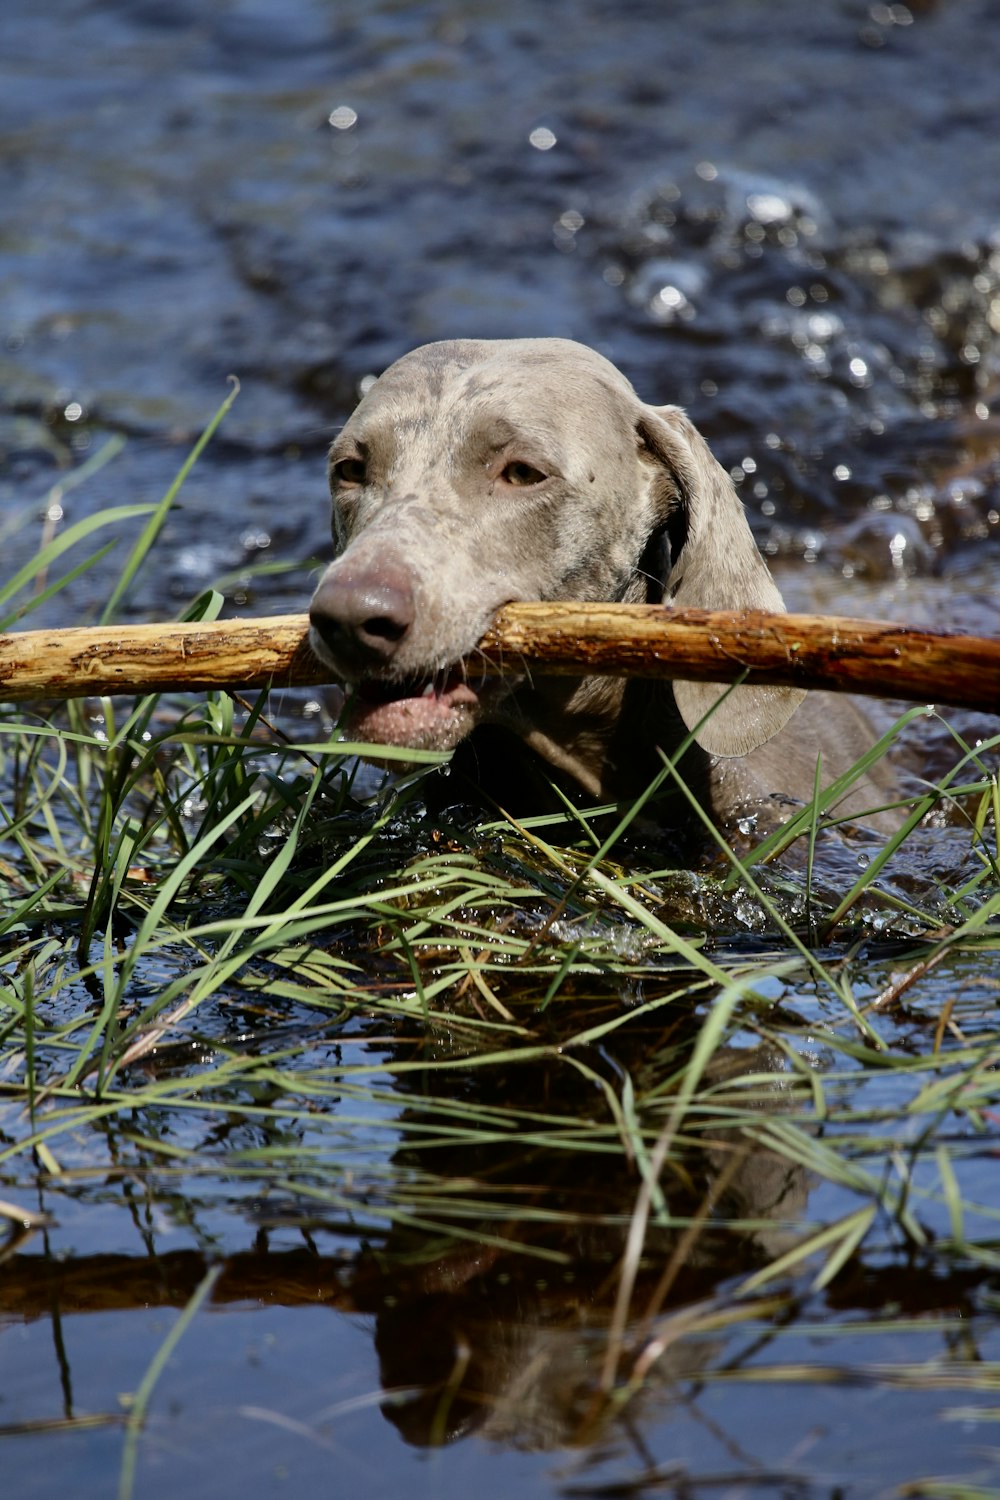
pixel 417 713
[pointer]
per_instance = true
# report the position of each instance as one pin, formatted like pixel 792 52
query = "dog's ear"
pixel 715 564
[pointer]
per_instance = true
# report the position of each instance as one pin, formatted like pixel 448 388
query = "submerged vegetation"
pixel 668 1115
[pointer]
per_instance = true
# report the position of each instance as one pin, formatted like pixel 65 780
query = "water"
pixel 793 234
pixel 786 218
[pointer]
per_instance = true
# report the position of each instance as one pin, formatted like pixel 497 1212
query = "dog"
pixel 478 472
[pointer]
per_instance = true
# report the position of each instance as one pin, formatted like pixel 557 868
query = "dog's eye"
pixel 521 474
pixel 350 471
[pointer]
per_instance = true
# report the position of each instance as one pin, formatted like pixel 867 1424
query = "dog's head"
pixel 476 473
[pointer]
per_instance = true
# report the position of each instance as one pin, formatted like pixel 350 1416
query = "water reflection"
pixel 443 1253
pixel 474 1338
pixel 469 1338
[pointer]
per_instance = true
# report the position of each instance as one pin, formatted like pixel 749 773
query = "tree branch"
pixel 634 640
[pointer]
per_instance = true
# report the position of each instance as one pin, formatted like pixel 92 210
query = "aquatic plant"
pixel 676 1109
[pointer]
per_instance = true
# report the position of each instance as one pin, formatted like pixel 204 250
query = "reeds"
pixel 263 982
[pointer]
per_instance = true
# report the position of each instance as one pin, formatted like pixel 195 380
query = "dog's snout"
pixel 363 616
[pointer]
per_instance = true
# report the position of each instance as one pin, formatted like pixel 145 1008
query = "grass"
pixel 231 974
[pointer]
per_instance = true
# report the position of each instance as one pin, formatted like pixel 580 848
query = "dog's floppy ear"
pixel 717 566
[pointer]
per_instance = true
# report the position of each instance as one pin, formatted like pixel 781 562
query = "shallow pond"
pixel 401 1265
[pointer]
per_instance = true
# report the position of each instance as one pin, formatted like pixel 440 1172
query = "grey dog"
pixel 474 473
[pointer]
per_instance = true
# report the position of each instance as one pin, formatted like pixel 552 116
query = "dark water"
pixel 785 219
pixel 785 216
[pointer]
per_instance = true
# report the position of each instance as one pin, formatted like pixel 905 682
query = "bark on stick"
pixel 635 640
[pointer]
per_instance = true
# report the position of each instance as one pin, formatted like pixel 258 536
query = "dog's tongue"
pixel 403 714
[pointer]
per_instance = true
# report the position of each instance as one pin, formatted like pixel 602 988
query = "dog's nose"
pixel 362 615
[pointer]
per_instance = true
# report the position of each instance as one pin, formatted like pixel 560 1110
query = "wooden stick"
pixel 637 640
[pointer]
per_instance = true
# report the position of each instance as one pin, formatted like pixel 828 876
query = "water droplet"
pixel 542 138
pixel 343 117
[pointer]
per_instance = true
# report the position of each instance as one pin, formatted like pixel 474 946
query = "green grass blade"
pixel 160 512
pixel 139 1404
pixel 49 554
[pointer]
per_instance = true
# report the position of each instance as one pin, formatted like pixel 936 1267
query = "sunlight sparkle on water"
pixel 542 138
